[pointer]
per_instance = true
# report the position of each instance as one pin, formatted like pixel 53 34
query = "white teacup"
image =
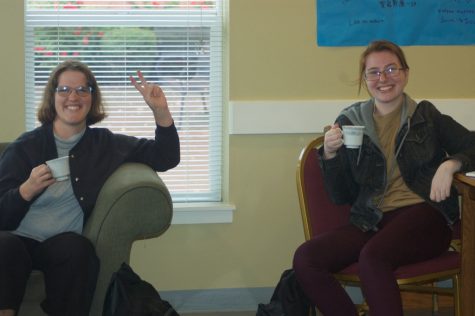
pixel 353 136
pixel 59 168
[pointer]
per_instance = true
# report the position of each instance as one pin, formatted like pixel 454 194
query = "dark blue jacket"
pixel 425 139
pixel 92 160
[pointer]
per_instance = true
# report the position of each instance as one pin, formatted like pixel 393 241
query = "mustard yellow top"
pixel 397 194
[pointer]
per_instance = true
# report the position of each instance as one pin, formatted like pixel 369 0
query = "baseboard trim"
pixel 217 300
pixel 227 300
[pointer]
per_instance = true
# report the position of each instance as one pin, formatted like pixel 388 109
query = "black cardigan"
pixel 94 158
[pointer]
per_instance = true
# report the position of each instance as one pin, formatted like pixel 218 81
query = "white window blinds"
pixel 177 44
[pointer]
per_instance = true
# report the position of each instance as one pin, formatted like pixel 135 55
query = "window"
pixel 177 44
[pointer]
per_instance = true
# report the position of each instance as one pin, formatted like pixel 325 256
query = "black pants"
pixel 70 268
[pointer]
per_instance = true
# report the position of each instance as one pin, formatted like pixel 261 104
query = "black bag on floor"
pixel 288 299
pixel 128 295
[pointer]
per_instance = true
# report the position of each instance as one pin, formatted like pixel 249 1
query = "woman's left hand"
pixel 442 180
pixel 155 99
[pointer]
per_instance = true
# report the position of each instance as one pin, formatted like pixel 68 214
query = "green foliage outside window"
pixel 98 47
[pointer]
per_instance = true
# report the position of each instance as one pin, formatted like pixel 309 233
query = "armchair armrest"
pixel 133 204
pixel 2 147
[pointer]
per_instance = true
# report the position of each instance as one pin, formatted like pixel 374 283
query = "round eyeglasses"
pixel 65 91
pixel 373 75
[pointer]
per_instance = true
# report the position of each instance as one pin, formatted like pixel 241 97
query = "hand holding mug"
pixel 333 140
pixel 39 179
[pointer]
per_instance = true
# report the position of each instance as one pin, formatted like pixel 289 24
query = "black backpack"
pixel 129 295
pixel 288 299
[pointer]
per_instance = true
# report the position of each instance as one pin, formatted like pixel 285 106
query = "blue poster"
pixel 405 22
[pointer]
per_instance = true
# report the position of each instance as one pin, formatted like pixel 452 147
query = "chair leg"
pixel 317 312
pixel 457 302
pixel 435 304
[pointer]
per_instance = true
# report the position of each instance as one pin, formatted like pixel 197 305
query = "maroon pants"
pixel 70 268
pixel 406 235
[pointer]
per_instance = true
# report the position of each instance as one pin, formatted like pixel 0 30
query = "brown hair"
pixel 380 46
pixel 47 111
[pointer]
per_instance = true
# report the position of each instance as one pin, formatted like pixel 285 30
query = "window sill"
pixel 203 213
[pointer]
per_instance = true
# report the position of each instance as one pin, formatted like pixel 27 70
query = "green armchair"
pixel 133 204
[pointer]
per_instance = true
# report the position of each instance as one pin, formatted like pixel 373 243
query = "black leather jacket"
pixel 425 139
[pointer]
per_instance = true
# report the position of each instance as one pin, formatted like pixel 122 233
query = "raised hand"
pixel 155 99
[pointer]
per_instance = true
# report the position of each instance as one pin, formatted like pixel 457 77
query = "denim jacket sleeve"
pixel 338 181
pixel 435 137
pixel 455 139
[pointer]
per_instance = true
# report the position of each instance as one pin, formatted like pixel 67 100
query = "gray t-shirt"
pixel 57 209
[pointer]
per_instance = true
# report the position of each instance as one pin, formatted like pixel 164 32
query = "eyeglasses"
pixel 65 91
pixel 373 75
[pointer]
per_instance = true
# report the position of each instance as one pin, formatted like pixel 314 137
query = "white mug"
pixel 352 136
pixel 59 168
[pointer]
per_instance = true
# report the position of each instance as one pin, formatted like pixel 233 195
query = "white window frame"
pixel 187 205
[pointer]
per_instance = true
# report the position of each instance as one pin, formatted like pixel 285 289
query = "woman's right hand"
pixel 332 142
pixel 40 178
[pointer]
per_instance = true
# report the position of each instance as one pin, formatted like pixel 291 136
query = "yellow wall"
pixel 272 55
pixel 12 100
